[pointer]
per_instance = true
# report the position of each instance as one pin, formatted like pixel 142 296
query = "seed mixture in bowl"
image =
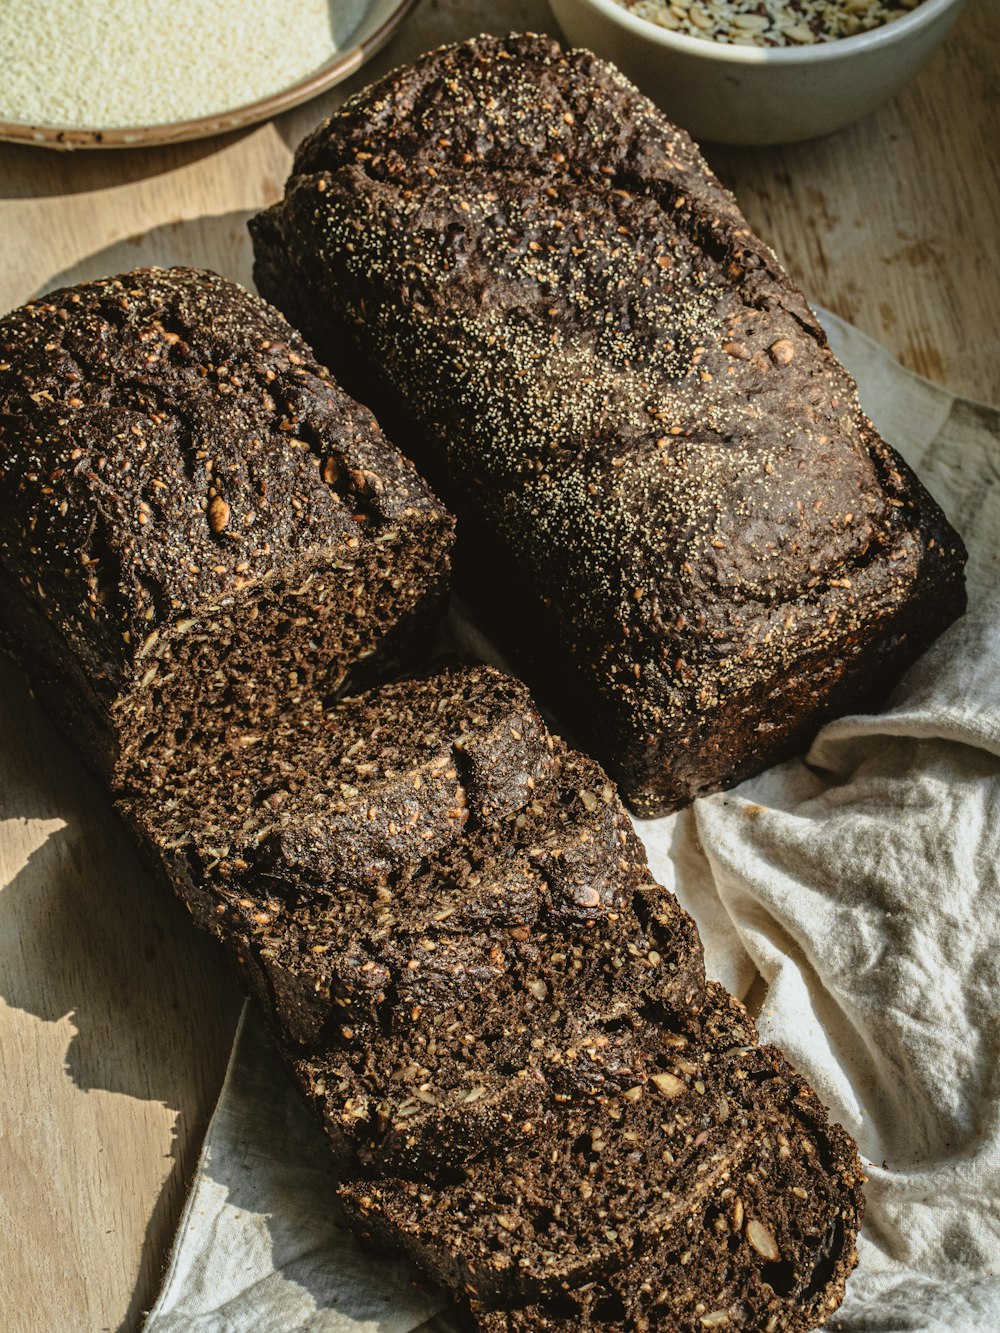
pixel 770 22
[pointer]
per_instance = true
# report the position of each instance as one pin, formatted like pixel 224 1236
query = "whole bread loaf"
pixel 673 514
pixel 198 527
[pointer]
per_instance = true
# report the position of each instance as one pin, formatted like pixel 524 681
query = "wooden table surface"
pixel 115 1016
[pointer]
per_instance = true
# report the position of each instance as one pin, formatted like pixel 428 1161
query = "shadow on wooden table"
pixel 219 242
pixel 33 173
pixel 100 954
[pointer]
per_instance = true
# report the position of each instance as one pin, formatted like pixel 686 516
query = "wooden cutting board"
pixel 115 1016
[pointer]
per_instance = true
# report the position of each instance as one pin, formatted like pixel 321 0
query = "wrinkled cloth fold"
pixel 852 892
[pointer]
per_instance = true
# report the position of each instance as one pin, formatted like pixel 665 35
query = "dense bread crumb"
pixel 423 875
pixel 502 1024
pixel 674 514
pixel 197 526
pixel 722 1189
pixel 327 798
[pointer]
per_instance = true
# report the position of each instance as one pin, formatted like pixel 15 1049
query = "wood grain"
pixel 115 1016
pixel 116 1020
pixel 894 223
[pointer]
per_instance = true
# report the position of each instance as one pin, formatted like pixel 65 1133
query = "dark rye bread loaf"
pixel 503 1026
pixel 674 516
pixel 713 1190
pixel 198 528
pixel 417 885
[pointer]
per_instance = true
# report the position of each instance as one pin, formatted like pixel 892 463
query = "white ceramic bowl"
pixel 759 95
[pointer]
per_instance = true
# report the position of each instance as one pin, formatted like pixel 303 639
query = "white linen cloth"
pixel 853 892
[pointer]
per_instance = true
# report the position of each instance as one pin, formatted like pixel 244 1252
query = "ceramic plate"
pixel 380 21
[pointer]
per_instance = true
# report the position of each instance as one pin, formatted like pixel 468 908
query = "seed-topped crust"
pixel 674 513
pixel 180 483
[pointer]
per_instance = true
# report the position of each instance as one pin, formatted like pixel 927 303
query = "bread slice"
pixel 676 521
pixel 325 799
pixel 713 1189
pixel 432 935
pixel 199 530
pixel 504 1029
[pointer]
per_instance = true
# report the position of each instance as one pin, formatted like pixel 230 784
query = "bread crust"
pixel 180 482
pixel 674 516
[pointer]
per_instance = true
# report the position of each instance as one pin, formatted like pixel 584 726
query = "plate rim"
pixel 342 66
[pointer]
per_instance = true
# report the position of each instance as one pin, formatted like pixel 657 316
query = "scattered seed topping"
pixel 608 373
pixel 770 22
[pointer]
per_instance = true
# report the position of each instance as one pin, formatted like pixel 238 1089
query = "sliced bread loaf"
pixel 199 530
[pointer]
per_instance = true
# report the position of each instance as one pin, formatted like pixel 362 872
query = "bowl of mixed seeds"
pixel 762 71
